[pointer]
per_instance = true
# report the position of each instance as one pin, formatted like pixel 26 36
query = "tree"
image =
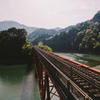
pixel 14 40
pixel 40 44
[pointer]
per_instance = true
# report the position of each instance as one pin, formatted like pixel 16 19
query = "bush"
pixel 44 47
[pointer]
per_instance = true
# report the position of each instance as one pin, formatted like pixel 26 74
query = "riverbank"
pixel 87 59
pixel 90 53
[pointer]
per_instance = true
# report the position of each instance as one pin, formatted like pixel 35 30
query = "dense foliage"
pixel 40 38
pixel 41 31
pixel 44 47
pixel 97 15
pixel 85 38
pixel 44 33
pixel 13 44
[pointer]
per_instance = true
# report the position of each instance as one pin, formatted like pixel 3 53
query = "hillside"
pixel 85 39
pixel 96 17
pixel 4 25
pixel 57 28
pixel 40 31
pixel 66 29
pixel 37 33
pixel 40 38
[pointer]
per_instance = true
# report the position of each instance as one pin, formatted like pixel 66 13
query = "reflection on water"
pixel 17 82
pixel 90 60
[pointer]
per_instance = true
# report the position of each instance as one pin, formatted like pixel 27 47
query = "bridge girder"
pixel 46 86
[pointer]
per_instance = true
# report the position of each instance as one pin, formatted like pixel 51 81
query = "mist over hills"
pixel 40 34
pixel 4 25
pixel 57 28
pixel 33 32
pixel 50 32
pixel 41 31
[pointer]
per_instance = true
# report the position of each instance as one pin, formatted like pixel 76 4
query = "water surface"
pixel 87 59
pixel 17 82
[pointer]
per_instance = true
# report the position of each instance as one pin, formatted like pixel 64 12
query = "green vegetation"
pixel 85 39
pixel 14 46
pixel 40 38
pixel 97 15
pixel 82 37
pixel 27 48
pixel 44 47
pixel 41 31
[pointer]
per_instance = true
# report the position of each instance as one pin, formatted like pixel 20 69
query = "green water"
pixel 17 82
pixel 90 60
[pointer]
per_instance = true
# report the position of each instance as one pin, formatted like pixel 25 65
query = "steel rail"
pixel 89 76
pixel 70 69
pixel 62 81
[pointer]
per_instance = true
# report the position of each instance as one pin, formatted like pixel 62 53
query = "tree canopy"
pixel 44 47
pixel 13 44
pixel 85 39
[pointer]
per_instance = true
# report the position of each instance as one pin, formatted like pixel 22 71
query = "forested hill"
pixel 96 17
pixel 40 34
pixel 40 31
pixel 85 39
pixel 40 38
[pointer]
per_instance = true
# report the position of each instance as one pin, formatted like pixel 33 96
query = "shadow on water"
pixel 29 91
pixel 17 82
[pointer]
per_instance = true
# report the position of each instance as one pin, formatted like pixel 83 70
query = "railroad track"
pixel 88 81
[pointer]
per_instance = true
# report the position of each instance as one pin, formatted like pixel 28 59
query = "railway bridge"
pixel 65 79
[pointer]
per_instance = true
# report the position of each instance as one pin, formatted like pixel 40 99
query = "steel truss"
pixel 46 86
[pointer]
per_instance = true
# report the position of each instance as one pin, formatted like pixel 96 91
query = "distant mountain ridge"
pixel 57 28
pixel 51 32
pixel 4 25
pixel 83 39
pixel 40 34
pixel 41 31
pixel 40 38
pixel 34 32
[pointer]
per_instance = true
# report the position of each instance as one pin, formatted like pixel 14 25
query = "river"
pixel 87 59
pixel 17 82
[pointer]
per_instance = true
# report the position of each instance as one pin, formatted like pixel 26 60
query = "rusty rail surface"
pixel 72 82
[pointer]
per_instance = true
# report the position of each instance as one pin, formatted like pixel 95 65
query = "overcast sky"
pixel 48 13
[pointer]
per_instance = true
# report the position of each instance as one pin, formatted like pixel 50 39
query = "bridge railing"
pixel 60 73
pixel 67 67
